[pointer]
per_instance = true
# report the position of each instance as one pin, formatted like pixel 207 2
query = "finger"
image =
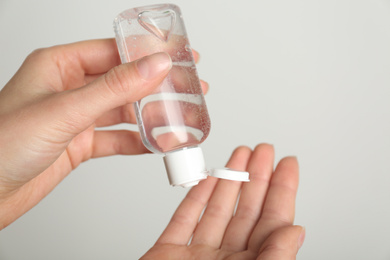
pixel 252 198
pixel 220 208
pixel 284 243
pixel 106 143
pixel 65 67
pixel 93 56
pixel 205 87
pixel 126 114
pixel 92 77
pixel 123 84
pixel 99 56
pixel 185 219
pixel 89 78
pixel 196 55
pixel 279 206
pixel 118 115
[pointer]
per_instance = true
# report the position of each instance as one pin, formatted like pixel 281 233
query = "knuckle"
pixel 51 53
pixel 36 55
pixel 118 80
pixel 42 55
pixel 37 52
pixel 181 219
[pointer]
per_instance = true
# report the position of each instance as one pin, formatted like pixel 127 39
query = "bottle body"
pixel 175 116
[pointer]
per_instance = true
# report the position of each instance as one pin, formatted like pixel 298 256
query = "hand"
pixel 49 111
pixel 260 228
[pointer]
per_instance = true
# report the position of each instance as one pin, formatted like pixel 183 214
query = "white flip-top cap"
pixel 187 167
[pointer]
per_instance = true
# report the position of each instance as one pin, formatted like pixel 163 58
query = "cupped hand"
pixel 240 221
pixel 49 111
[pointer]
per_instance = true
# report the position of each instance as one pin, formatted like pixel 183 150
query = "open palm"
pixel 259 226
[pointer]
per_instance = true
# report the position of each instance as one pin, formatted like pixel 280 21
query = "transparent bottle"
pixel 173 120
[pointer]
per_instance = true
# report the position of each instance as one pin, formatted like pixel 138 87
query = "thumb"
pixel 123 84
pixel 284 243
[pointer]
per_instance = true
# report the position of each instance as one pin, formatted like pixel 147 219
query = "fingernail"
pixel 153 65
pixel 301 237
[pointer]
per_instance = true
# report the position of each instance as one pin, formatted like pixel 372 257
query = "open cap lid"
pixel 229 174
pixel 187 167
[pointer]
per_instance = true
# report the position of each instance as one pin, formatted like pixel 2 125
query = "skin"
pixel 49 112
pixel 260 228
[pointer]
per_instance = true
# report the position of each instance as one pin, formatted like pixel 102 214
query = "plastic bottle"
pixel 173 121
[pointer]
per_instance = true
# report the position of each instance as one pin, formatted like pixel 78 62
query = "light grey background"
pixel 311 77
